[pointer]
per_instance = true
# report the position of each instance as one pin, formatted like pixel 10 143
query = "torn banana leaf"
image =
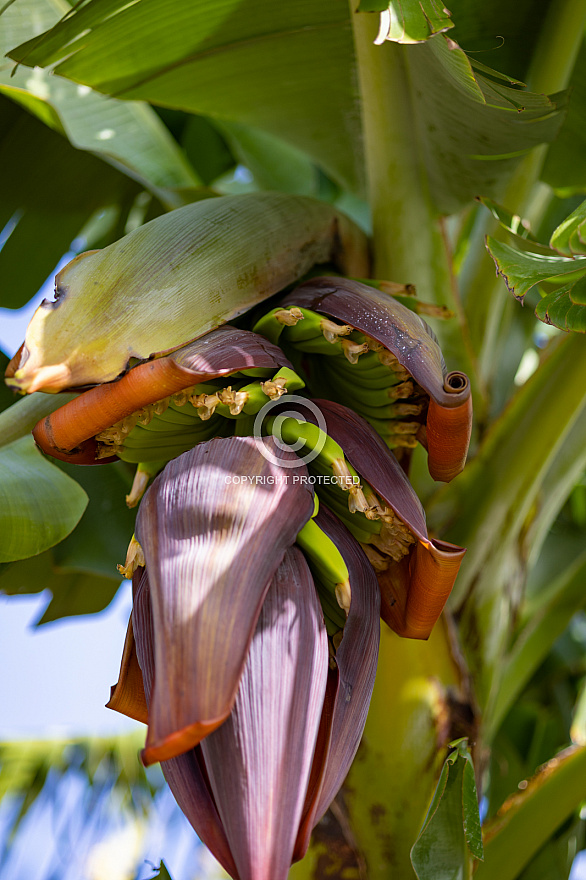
pixel 451 836
pixel 174 279
pixel 413 21
pixel 524 265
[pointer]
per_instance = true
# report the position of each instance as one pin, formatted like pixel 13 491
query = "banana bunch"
pixel 358 345
pixel 382 534
pixel 355 369
pixel 160 431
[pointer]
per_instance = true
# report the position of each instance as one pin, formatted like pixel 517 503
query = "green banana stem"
pixel 409 244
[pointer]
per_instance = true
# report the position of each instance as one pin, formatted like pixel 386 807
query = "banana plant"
pixel 379 156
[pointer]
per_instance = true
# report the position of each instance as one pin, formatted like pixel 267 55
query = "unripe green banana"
pixel 272 325
pixel 363 394
pixel 361 527
pixel 287 378
pixel 172 450
pixel 332 628
pixel 174 417
pixel 367 363
pixel 352 378
pixel 329 567
pixel 142 438
pixel 318 345
pixel 144 455
pixel 293 326
pixel 327 597
pixel 249 399
pixel 145 445
pixel 163 424
pixel 254 373
pixel 244 425
pixel 330 454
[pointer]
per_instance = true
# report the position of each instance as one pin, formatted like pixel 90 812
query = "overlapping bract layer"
pixel 414 585
pixel 69 432
pixel 248 799
pixel 415 588
pixel 210 552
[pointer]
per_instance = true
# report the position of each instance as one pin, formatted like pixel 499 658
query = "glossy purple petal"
pixel 184 774
pixel 227 350
pixel 214 527
pixel 259 760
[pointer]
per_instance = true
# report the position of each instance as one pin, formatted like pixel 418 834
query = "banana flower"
pixel 174 279
pixel 258 574
pixel 416 574
pixel 255 716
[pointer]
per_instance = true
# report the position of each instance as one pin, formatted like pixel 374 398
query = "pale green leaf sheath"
pixel 174 279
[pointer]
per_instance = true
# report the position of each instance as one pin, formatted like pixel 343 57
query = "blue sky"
pixel 60 673
pixel 56 682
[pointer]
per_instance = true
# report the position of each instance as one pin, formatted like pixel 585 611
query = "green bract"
pixel 174 279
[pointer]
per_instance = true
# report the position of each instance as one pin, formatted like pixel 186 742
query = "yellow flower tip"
pixel 353 350
pixel 332 331
pixel 274 388
pixel 395 289
pixel 344 595
pixel 139 486
pixel 134 559
pixel 51 379
pixel 289 317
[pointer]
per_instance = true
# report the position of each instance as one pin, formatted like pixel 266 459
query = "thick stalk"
pixel 551 68
pixel 392 780
pixel 395 772
pixel 409 245
pixel 491 507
